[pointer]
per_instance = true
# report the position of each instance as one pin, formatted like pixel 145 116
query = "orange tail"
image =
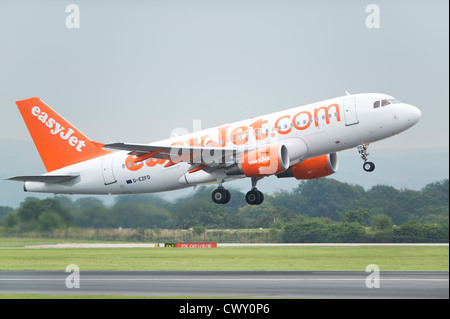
pixel 58 142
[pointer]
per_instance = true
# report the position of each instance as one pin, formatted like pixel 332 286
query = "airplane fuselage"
pixel 308 131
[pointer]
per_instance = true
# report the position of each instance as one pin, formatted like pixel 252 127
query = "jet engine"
pixel 264 161
pixel 312 168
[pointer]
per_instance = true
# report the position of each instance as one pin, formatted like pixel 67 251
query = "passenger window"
pixel 385 102
pixel 376 104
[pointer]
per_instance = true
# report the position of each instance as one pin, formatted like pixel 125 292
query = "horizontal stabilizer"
pixel 54 179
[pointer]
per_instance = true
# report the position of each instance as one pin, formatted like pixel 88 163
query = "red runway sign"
pixel 196 245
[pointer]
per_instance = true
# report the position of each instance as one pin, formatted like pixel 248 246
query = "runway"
pixel 251 284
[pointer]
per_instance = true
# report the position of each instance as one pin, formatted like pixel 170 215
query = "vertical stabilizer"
pixel 58 142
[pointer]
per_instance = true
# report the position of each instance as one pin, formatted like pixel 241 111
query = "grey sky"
pixel 135 70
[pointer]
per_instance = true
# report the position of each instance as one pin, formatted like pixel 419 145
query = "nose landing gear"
pixel 367 166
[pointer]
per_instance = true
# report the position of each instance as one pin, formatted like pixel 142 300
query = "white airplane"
pixel 300 142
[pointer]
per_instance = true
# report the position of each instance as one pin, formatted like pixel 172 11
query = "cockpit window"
pixel 385 102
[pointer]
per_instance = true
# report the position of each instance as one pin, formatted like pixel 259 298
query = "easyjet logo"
pixel 57 129
pixel 131 165
pixel 263 160
pixel 262 129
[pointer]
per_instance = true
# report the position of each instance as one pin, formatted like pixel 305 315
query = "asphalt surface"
pixel 251 284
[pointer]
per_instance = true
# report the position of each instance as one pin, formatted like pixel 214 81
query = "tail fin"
pixel 58 142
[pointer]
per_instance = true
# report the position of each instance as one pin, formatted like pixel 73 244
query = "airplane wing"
pixel 136 149
pixel 53 179
pixel 207 156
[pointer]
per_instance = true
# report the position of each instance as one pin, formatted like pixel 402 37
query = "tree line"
pixel 323 210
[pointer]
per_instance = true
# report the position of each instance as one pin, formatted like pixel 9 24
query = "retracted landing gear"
pixel 367 166
pixel 254 196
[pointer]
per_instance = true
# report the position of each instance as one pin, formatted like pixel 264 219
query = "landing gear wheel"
pixel 254 197
pixel 227 199
pixel 221 196
pixel 261 197
pixel 369 166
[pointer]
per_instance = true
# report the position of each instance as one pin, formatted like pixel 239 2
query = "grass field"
pixel 319 258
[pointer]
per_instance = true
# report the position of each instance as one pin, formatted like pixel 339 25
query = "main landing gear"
pixel 367 166
pixel 221 195
pixel 253 197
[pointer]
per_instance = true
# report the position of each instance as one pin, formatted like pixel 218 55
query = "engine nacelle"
pixel 264 161
pixel 312 168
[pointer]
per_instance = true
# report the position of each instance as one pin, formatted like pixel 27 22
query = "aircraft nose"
pixel 414 114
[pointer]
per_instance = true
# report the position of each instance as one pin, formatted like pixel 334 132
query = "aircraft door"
pixel 107 171
pixel 350 115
